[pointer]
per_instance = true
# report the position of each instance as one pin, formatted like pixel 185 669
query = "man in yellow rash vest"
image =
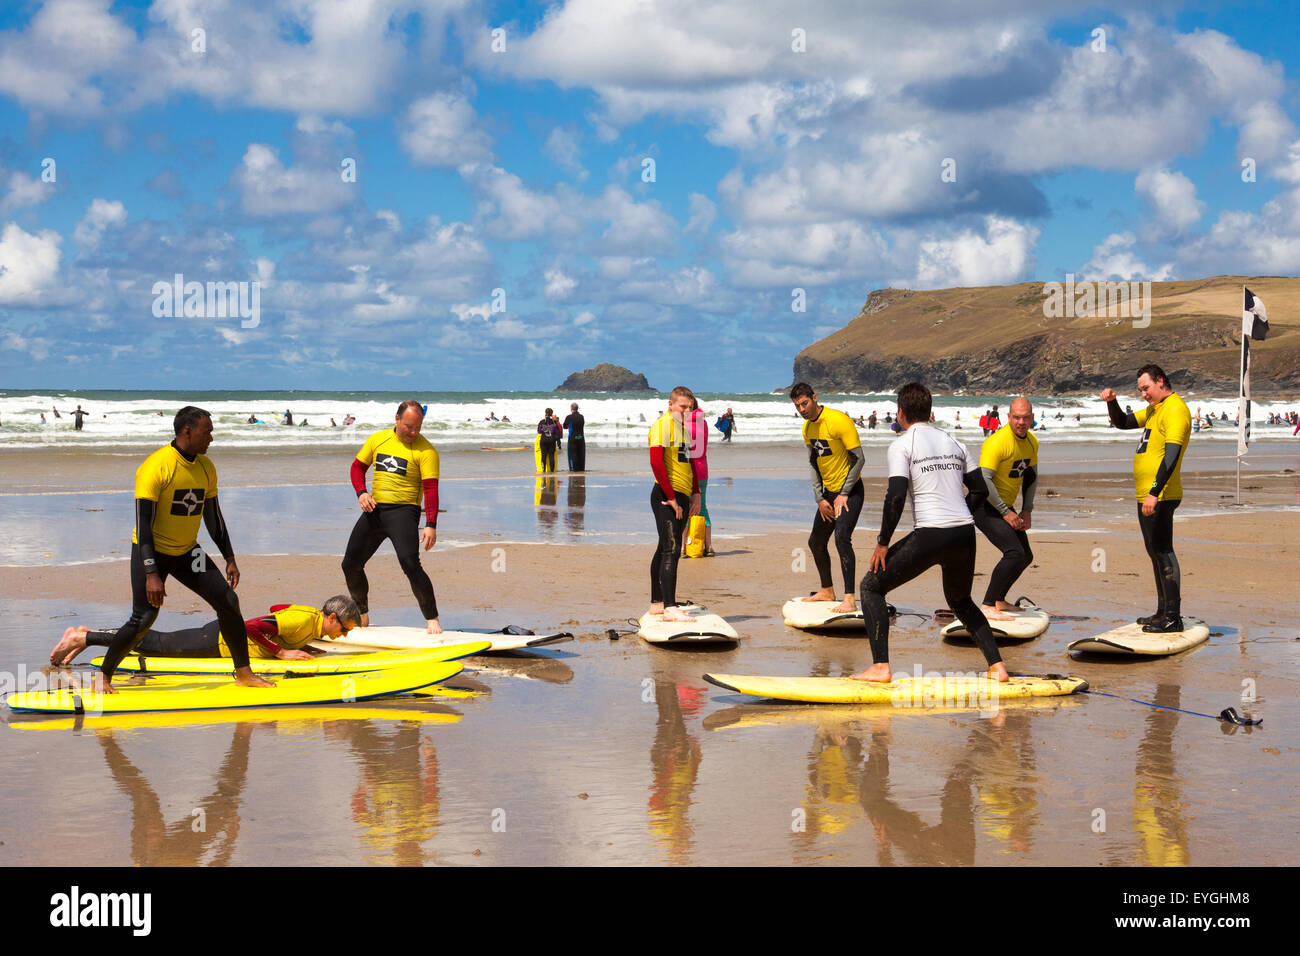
pixel 175 489
pixel 675 490
pixel 1157 467
pixel 406 467
pixel 835 457
pixel 282 634
pixel 1009 463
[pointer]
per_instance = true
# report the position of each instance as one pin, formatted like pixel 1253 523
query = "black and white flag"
pixel 1254 325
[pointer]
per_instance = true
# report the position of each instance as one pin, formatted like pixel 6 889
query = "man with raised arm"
pixel 1157 468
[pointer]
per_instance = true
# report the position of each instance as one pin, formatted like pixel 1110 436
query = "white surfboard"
pixel 1132 640
pixel 1026 623
pixel 819 614
pixel 416 638
pixel 702 627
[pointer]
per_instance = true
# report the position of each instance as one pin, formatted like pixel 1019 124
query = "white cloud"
pixel 29 264
pixel 441 131
pixel 20 190
pixel 1004 254
pixel 1172 198
pixel 558 285
pixel 702 213
pixel 507 209
pixel 268 188
pixel 804 255
pixel 101 214
pixel 1115 258
pixel 635 228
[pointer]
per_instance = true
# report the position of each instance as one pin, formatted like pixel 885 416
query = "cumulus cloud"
pixel 102 214
pixel 1003 254
pixel 1172 198
pixel 507 209
pixel 268 188
pixel 19 190
pixel 29 264
pixel 441 130
pixel 1116 258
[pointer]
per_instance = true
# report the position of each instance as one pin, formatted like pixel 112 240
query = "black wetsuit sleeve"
pixel 216 525
pixel 1120 418
pixel 995 501
pixel 1027 489
pixel 819 489
pixel 895 502
pixel 979 492
pixel 144 511
pixel 1166 469
pixel 856 460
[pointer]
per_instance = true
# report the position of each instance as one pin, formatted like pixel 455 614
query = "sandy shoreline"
pixel 676 771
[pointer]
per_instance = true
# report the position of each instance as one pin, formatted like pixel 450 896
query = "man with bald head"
pixel 1009 461
pixel 406 471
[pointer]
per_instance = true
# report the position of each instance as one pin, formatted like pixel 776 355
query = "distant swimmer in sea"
pixel 43 421
pixel 77 418
pixel 1166 425
pixel 835 458
pixel 406 468
pixel 932 469
pixel 56 411
pixel 175 490
pixel 281 634
pixel 349 419
pixel 492 417
pixel 333 423
pixel 288 417
pixel 674 497
pixel 1009 463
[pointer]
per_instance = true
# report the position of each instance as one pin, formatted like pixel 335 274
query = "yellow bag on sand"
pixel 695 538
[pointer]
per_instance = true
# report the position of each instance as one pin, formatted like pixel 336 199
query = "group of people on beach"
pixel 951 493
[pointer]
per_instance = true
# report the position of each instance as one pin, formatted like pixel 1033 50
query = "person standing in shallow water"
pixel 574 422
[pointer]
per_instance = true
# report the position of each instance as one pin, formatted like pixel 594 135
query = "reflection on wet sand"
pixel 396 801
pixel 213 826
pixel 545 496
pixel 675 757
pixel 575 516
pixel 1157 796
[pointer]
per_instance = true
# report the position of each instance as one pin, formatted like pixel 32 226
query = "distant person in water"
pixel 77 418
pixel 56 411
pixel 43 421
pixel 288 417
pixel 349 419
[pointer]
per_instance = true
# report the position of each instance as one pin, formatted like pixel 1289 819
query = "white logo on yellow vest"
pixel 102 909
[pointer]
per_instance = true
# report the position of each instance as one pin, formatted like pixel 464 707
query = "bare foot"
pixel 847 606
pixel 365 619
pixel 656 607
pixel 674 613
pixel 72 643
pixel 825 594
pixel 245 677
pixel 876 672
pixel 998 672
pixel 994 614
pixel 434 627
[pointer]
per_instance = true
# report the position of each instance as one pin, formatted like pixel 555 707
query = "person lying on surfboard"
pixel 283 633
pixel 933 469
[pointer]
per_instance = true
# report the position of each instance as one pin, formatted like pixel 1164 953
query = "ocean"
pixel 137 419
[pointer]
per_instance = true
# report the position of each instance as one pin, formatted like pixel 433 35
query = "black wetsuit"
pixel 77 416
pixel 577 443
pixel 191 642
pixel 663 566
pixel 549 431
pixel 399 524
pixel 208 582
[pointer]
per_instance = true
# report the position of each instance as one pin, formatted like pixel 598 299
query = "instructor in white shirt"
pixel 933 470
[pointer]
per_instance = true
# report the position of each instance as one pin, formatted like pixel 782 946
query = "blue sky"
pixel 219 156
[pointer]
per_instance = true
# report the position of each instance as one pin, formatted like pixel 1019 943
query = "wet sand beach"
pixel 617 752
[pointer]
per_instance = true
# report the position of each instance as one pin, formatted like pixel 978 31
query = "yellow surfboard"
pixel 297 715
pixel 194 692
pixel 927 692
pixel 356 662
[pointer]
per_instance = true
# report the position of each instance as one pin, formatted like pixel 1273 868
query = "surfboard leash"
pixel 1229 715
